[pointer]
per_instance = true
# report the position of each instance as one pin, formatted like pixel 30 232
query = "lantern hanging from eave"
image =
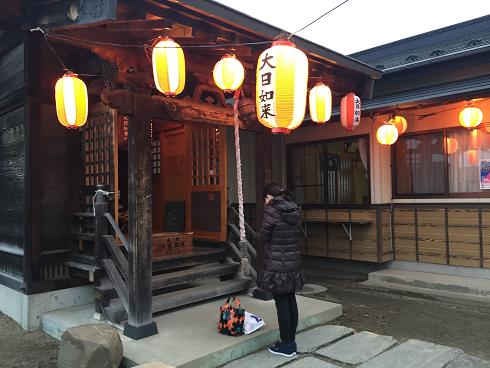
pixel 168 66
pixel 400 123
pixel 320 103
pixel 472 157
pixel 282 79
pixel 451 145
pixel 476 139
pixel 470 117
pixel 387 134
pixel 228 73
pixel 350 111
pixel 71 101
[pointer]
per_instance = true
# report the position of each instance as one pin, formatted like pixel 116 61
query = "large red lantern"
pixel 350 111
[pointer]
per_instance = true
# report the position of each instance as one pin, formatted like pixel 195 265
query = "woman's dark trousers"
pixel 287 315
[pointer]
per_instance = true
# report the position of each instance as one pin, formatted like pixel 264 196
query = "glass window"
pixel 330 172
pixel 419 164
pixel 441 163
pixel 465 149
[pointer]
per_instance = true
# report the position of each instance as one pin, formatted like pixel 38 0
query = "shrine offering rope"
pixel 239 167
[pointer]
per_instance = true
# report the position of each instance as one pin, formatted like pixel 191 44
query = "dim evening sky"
pixel 361 24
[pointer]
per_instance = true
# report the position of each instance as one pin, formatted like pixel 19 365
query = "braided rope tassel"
pixel 236 120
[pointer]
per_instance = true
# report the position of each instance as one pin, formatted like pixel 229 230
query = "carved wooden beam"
pixel 166 108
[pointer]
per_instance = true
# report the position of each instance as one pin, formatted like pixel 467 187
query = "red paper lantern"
pixel 472 157
pixel 350 111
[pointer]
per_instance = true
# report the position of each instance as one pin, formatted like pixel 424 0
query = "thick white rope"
pixel 103 192
pixel 241 215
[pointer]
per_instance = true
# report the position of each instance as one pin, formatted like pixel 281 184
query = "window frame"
pixel 446 193
pixel 325 204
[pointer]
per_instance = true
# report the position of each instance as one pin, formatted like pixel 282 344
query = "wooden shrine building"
pixel 139 200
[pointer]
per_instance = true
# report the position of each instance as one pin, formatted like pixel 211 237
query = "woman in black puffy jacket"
pixel 282 272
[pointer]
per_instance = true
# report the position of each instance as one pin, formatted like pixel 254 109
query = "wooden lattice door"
pixel 99 151
pixel 207 195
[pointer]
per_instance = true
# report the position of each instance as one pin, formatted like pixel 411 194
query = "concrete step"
pixel 438 285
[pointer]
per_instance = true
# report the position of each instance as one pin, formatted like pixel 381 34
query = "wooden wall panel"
pixel 12 183
pixel 405 243
pixel 432 235
pixel 464 237
pixel 386 235
pixel 485 214
pixel 316 241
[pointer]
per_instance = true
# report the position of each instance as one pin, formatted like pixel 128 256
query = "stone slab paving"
pixel 414 354
pixel 260 359
pixel 468 361
pixel 310 362
pixel 358 348
pixel 313 339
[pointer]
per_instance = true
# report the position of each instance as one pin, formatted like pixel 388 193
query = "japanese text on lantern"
pixel 267 84
pixel 357 111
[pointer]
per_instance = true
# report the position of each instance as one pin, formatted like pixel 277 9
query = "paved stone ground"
pixel 362 350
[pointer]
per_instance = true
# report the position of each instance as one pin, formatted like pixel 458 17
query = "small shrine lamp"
pixel 452 145
pixel 281 87
pixel 320 103
pixel 168 64
pixel 228 73
pixel 71 101
pixel 470 117
pixel 387 134
pixel 400 123
pixel 350 111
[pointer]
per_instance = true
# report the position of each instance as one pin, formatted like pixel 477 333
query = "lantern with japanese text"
pixel 472 157
pixel 282 79
pixel 71 101
pixel 228 73
pixel 400 123
pixel 476 139
pixel 320 103
pixel 168 66
pixel 350 111
pixel 451 145
pixel 470 117
pixel 387 134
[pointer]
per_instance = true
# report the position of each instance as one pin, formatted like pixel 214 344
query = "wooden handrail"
pixel 117 230
pixel 236 232
pixel 117 281
pixel 117 255
pixel 247 226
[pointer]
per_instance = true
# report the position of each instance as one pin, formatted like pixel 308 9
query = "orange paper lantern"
pixel 470 117
pixel 320 103
pixel 71 101
pixel 472 157
pixel 350 111
pixel 451 145
pixel 228 73
pixel 168 64
pixel 387 134
pixel 400 123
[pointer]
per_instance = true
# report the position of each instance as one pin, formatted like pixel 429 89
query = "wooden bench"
pixel 346 224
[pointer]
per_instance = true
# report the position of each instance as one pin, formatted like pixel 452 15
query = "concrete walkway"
pixel 188 337
pixel 337 347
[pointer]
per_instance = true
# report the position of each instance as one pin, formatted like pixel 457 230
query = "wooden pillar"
pixel 263 175
pixel 140 322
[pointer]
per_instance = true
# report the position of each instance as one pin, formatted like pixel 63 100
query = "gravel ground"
pixel 408 316
pixel 21 349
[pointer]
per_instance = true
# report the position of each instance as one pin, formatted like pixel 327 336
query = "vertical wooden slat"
pixel 416 234
pixel 480 233
pixel 446 225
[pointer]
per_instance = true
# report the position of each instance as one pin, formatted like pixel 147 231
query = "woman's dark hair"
pixel 275 190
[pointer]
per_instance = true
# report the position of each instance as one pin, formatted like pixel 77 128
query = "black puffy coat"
pixel 280 235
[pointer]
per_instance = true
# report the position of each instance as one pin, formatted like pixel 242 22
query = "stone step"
pixel 442 285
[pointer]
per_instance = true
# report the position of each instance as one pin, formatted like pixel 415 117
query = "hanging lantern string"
pixel 317 19
pixel 149 44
